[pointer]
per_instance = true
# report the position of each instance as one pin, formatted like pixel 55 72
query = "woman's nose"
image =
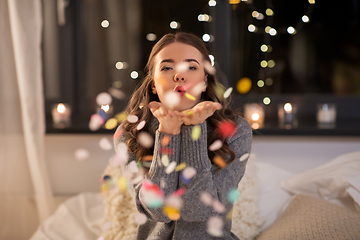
pixel 179 77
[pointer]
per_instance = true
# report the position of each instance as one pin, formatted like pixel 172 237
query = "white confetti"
pixel 174 201
pixel 132 118
pixel 116 93
pixel 170 168
pixel 122 152
pixel 218 206
pixel 145 139
pixel 81 154
pixel 116 161
pixel 215 225
pixel 189 172
pixel 103 98
pixel 198 88
pixel 95 122
pixel 171 99
pixel 133 167
pixel 216 145
pixel 244 157
pixel 228 92
pixel 141 125
pixel 209 68
pixel 140 218
pixel 206 198
pixel 105 144
pixel 165 160
pixel 182 67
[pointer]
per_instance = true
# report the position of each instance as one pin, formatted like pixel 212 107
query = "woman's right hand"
pixel 170 120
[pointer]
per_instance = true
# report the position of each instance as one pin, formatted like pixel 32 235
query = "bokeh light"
pixel 121 65
pixel 206 37
pixel 212 3
pixel 134 74
pixel 260 83
pixel 305 19
pixel 291 30
pixel 264 48
pixel 271 63
pixel 263 63
pixel 287 107
pixel 252 28
pixel 174 25
pixel 269 12
pixel 105 24
pixel 260 16
pixel 266 100
pixel 269 81
pixel 151 37
pixel 255 14
pixel 272 32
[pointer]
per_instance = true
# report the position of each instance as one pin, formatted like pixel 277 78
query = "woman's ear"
pixel 205 83
pixel 153 87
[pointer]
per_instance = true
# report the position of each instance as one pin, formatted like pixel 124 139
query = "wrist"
pixel 170 131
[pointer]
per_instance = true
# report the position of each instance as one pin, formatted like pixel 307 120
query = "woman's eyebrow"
pixel 186 60
pixel 191 60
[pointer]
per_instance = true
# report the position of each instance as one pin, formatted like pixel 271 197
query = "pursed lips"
pixel 180 90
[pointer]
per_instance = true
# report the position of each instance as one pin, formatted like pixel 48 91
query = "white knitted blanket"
pixel 120 210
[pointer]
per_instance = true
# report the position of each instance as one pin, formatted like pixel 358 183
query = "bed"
pixel 319 203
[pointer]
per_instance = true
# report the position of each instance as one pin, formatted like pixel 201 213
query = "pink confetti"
pixel 179 192
pixel 145 139
pixel 189 172
pixel 215 225
pixel 132 118
pixel 218 206
pixel 141 125
pixel 174 201
pixel 133 167
pixel 171 99
pixel 167 151
pixel 95 122
pixel 206 198
pixel 103 98
pixel 117 134
pixel 105 226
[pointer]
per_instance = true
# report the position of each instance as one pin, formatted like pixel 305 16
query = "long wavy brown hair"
pixel 143 95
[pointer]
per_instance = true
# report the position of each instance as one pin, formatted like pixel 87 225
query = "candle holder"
pixel 254 114
pixel 287 114
pixel 326 115
pixel 61 114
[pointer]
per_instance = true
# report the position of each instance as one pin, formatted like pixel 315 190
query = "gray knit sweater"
pixel 194 213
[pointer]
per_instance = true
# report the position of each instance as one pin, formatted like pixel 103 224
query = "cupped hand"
pixel 170 120
pixel 199 113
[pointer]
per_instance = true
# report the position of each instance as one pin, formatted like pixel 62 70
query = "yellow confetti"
pixel 189 96
pixel 122 184
pixel 229 215
pixel 121 116
pixel 196 131
pixel 111 123
pixel 188 112
pixel 103 188
pixel 180 167
pixel 147 158
pixel 219 161
pixel 171 212
pixel 219 90
pixel 244 85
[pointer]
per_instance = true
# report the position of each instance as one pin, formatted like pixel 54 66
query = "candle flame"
pixel 61 108
pixel 288 107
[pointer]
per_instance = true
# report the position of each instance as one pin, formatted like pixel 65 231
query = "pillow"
pixel 337 181
pixel 309 217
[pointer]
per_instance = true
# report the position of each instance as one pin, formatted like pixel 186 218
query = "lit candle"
pixel 254 114
pixel 326 115
pixel 61 114
pixel 287 115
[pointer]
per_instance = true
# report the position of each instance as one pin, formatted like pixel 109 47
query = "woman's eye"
pixel 166 68
pixel 192 68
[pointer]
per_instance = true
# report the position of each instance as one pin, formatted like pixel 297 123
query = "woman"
pixel 182 109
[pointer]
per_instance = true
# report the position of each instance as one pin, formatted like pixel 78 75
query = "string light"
pixel 269 12
pixel 266 100
pixel 260 83
pixel 105 24
pixel 291 30
pixel 134 74
pixel 305 19
pixel 264 48
pixel 151 37
pixel 212 3
pixel 174 25
pixel 272 32
pixel 206 37
pixel 251 28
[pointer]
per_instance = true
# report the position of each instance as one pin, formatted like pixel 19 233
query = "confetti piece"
pixel 165 160
pixel 105 226
pixel 171 99
pixel 189 96
pixel 102 114
pixel 147 158
pixel 162 183
pixel 133 167
pixel 244 157
pixel 105 144
pixel 226 128
pixel 100 238
pixel 188 113
pixel 179 192
pixel 216 145
pixel 122 183
pixel 219 90
pixel 147 164
pixel 121 116
pixel 122 152
pixel 229 216
pixel 215 225
pixel 141 125
pixel 117 134
pixel 219 161
pixel 81 154
pixel 206 198
pixel 165 140
pixel 233 195
pixel 103 98
pixel 196 131
pixel 189 172
pixel 180 167
pixel 174 201
pixel 137 179
pixel 185 180
pixel 111 123
pixel 218 206
pixel 209 68
pixel 145 139
pixel 172 213
pixel 95 122
pixel 140 218
pixel 243 85
pixel 151 194
pixel 167 151
pixel 228 92
pixel 170 168
pixel 182 67
pixel 116 161
pixel 132 118
pixel 116 93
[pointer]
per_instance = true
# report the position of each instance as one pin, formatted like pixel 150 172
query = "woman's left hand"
pixel 200 112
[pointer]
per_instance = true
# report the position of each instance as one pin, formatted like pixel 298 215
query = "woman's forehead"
pixel 178 52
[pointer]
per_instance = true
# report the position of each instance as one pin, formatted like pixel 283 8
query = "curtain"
pixel 23 171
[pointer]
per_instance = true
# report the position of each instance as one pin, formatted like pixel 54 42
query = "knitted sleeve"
pixel 218 185
pixel 157 175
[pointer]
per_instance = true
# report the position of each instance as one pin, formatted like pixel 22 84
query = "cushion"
pixel 337 181
pixel 308 217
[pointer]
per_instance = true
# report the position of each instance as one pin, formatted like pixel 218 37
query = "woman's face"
pixel 179 76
